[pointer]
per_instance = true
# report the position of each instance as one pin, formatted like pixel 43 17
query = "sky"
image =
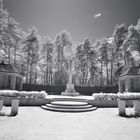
pixel 81 18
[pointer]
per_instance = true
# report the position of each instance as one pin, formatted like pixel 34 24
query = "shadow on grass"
pixel 130 116
pixel 2 114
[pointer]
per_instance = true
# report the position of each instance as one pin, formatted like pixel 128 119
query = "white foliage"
pixel 136 56
pixel 113 96
pixel 23 94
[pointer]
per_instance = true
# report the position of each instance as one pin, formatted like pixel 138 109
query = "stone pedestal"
pixel 1 104
pixel 14 107
pixel 121 107
pixel 136 105
pixel 70 91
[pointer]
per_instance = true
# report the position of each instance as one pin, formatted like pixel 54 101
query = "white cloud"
pixel 97 15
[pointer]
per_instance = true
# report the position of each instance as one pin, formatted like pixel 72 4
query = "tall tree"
pixel 84 57
pixel 3 24
pixel 131 45
pixel 10 35
pixel 104 56
pixel 119 36
pixel 93 66
pixel 31 49
pixel 47 57
pixel 15 36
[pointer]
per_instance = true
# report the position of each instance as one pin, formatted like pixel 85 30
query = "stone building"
pixel 129 80
pixel 10 78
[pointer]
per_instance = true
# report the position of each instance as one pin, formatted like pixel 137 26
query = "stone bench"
pixel 122 107
pixel 14 107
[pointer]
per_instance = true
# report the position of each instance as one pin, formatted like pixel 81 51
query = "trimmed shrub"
pixel 105 96
pixel 120 96
pixel 23 94
pixel 129 96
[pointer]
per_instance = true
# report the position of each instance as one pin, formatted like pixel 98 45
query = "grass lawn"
pixel 34 123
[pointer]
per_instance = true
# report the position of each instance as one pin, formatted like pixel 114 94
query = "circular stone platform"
pixel 69 106
pixel 69 103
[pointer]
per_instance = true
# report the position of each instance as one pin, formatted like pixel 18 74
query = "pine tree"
pixel 47 57
pixel 31 49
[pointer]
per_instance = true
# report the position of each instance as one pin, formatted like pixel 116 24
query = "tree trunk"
pixel 111 75
pixel 101 82
pixel 107 75
pixel 30 79
pixel 9 53
pixel 27 79
pixel 44 78
pixel 35 80
pixel 15 56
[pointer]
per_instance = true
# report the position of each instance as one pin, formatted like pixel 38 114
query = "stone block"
pixel 136 105
pixel 1 104
pixel 121 107
pixel 14 107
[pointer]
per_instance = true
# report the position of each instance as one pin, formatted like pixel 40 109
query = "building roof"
pixel 9 68
pixel 130 71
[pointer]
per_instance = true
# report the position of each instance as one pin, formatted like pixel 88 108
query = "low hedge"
pixel 105 96
pixel 23 94
pixel 118 96
pixel 129 96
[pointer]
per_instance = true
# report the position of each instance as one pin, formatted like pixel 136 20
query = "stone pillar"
pixel 120 88
pixel 136 105
pixel 14 107
pixel 13 83
pixel 21 83
pixel 1 104
pixel 121 107
pixel 1 80
pixel 70 72
pixel 127 85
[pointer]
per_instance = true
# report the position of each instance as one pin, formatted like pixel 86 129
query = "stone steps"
pixel 69 110
pixel 68 106
pixel 70 99
pixel 69 103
